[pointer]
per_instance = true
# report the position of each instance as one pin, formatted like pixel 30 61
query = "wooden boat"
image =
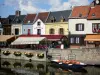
pixel 68 63
pixel 75 67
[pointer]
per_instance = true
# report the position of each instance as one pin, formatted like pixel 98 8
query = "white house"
pixel 16 28
pixel 78 25
pixel 39 23
pixel 28 23
pixel 93 24
pixel 39 28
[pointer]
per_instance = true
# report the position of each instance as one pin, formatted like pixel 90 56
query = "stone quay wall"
pixel 88 56
pixel 23 56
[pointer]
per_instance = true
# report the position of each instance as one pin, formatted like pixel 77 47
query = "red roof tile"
pixel 29 17
pixel 94 12
pixel 43 16
pixel 80 12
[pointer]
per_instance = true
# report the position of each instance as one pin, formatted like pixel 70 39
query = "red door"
pixel 28 31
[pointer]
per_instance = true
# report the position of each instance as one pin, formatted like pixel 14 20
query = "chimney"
pixel 18 13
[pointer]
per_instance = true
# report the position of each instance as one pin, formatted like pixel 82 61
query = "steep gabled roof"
pixel 18 19
pixel 11 18
pixel 80 12
pixel 42 16
pixel 58 15
pixel 29 18
pixel 4 21
pixel 94 13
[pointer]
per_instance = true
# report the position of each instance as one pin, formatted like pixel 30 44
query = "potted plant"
pixel 17 53
pixel 6 53
pixel 29 54
pixel 40 55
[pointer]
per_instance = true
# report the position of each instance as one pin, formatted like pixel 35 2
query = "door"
pixel 38 31
pixel 16 31
pixel 29 32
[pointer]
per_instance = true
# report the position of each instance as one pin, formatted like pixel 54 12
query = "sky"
pixel 8 7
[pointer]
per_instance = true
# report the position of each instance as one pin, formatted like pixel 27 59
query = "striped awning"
pixel 92 37
pixel 27 40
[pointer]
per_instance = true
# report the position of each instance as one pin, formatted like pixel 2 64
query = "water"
pixel 22 67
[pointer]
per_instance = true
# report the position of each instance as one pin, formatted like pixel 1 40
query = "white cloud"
pixel 29 8
pixel 59 5
pixel 33 6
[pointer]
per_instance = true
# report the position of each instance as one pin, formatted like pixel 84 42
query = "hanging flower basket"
pixel 40 55
pixel 17 53
pixel 29 55
pixel 6 53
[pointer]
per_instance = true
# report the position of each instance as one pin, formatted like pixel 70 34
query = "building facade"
pixel 93 34
pixel 39 23
pixel 78 26
pixel 57 23
pixel 16 28
pixel 27 27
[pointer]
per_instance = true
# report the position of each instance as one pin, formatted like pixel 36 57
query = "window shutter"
pixel 76 27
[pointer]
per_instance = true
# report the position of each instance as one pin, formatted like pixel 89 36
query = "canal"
pixel 22 67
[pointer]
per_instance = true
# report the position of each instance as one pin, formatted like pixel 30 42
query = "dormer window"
pixel 62 19
pixel 80 15
pixel 93 14
pixel 28 21
pixel 17 20
pixel 53 19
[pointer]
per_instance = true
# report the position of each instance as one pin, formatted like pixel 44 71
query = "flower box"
pixel 17 53
pixel 6 53
pixel 40 55
pixel 29 54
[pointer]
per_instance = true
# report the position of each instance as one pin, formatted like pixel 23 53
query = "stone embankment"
pixel 23 54
pixel 88 56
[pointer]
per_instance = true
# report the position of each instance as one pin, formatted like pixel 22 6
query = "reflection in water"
pixel 40 66
pixel 6 63
pixel 28 65
pixel 20 67
pixel 17 64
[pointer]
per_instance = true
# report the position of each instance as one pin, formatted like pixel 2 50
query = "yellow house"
pixel 57 23
pixel 56 28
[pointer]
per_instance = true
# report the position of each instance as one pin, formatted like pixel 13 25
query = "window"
pixel 71 40
pixel 61 31
pixel 74 40
pixel 38 23
pixel 62 19
pixel 77 39
pixel 93 15
pixel 79 27
pixel 52 31
pixel 80 15
pixel 53 19
pixel 96 27
pixel 29 21
pixel 38 31
pixel 16 31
